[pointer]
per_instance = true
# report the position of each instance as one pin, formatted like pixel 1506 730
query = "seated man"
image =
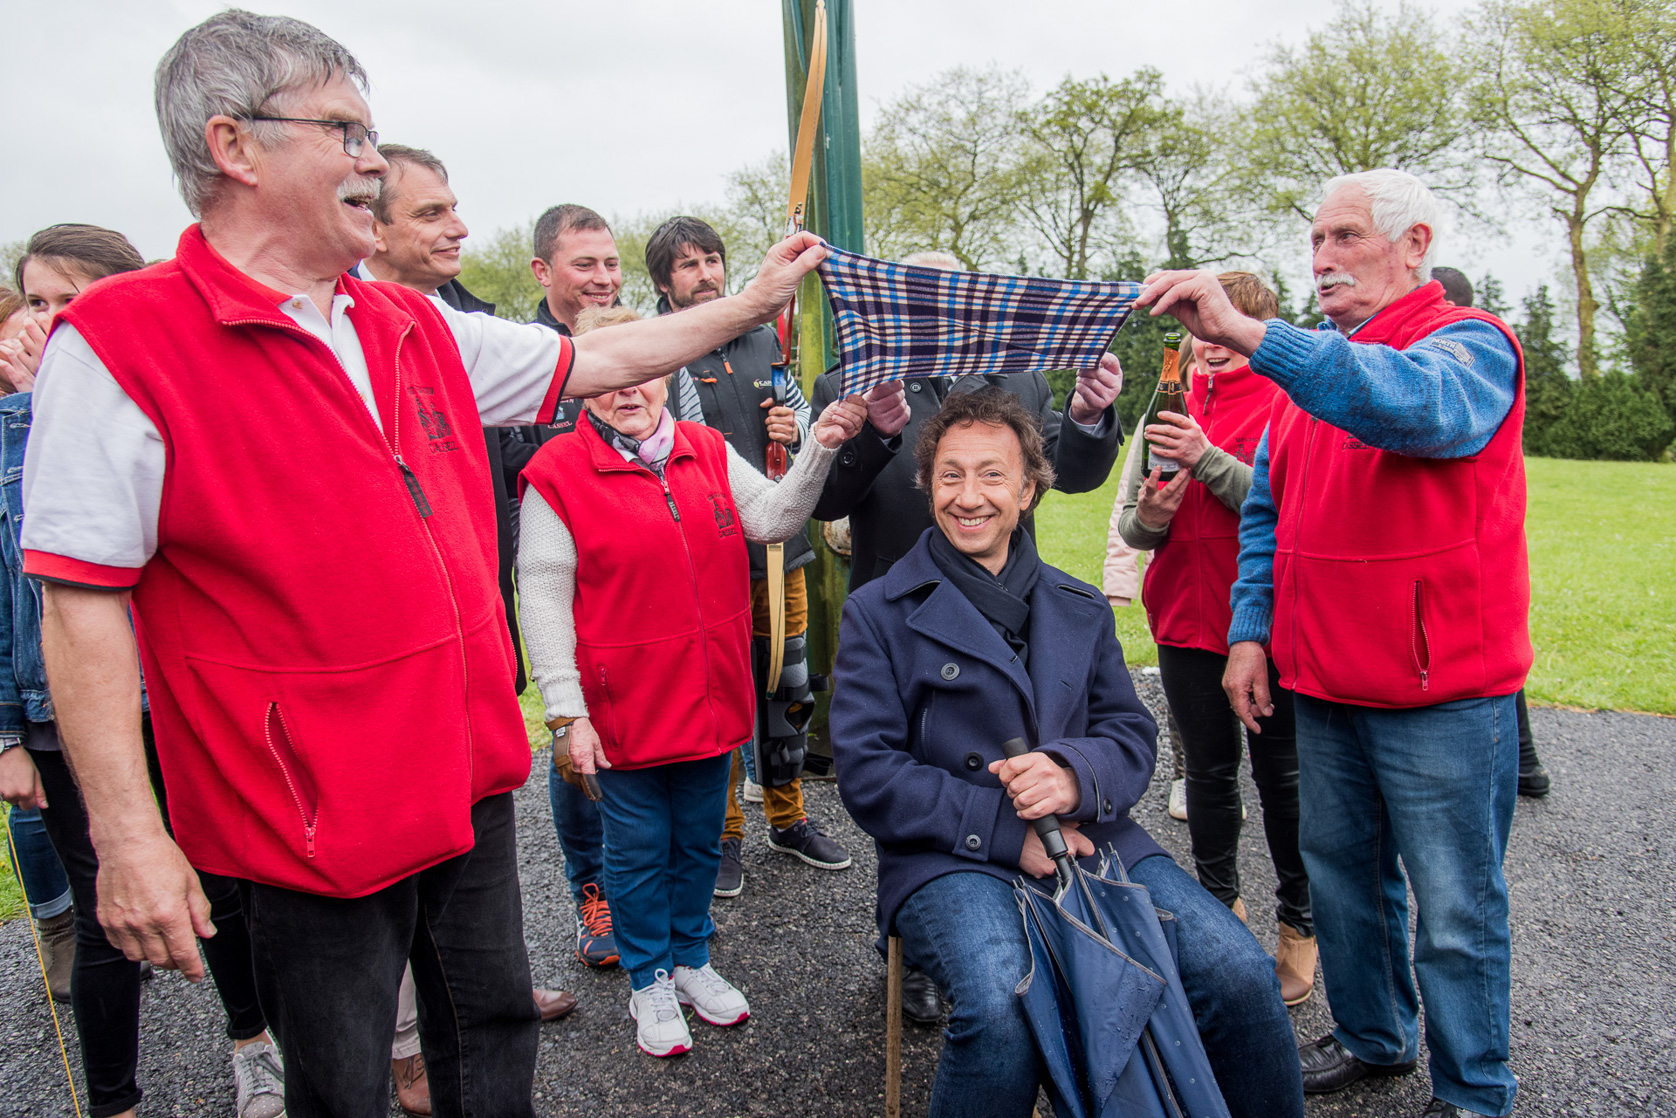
pixel 970 640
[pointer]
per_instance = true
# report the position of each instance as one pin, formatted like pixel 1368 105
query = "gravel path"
pixel 1593 874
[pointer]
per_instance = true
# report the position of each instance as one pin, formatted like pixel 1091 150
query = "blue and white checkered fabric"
pixel 896 322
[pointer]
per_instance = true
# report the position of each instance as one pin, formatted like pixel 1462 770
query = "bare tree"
pixel 1368 90
pixel 1550 97
pixel 943 167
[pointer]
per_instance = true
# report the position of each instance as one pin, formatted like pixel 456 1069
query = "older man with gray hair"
pixel 276 465
pixel 1382 557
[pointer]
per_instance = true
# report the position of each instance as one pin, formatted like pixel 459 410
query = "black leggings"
pixel 105 989
pixel 1212 739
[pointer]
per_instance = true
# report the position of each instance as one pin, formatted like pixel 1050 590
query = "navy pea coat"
pixel 926 692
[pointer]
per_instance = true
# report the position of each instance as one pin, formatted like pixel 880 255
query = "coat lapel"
pixel 1064 624
pixel 948 618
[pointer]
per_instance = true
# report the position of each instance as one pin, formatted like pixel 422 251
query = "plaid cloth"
pixel 896 322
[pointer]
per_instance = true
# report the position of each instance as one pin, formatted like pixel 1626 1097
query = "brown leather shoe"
pixel 413 1087
pixel 553 1004
pixel 1294 965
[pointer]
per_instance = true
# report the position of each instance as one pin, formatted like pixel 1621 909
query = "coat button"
pixel 914 386
pixel 1108 807
pixel 950 671
pixel 973 842
pixel 975 762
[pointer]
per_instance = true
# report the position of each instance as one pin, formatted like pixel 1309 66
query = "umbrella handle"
pixel 1047 827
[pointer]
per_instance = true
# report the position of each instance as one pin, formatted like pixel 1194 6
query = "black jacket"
pixel 732 383
pixel 873 482
pixel 455 295
pixel 519 444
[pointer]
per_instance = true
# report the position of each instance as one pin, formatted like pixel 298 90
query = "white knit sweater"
pixel 768 511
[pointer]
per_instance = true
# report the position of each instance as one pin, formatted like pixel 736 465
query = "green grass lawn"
pixel 1603 596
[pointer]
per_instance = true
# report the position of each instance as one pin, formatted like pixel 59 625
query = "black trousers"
pixel 1212 739
pixel 328 970
pixel 105 988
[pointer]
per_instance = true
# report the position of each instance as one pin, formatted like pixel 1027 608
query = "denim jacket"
pixel 23 672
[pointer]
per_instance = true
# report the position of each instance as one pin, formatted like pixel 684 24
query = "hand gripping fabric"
pixel 895 322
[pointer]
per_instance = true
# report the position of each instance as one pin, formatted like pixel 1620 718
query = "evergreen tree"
pixel 1548 390
pixel 1491 297
pixel 1652 329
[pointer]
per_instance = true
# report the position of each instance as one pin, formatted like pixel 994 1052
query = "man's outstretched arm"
pixel 150 901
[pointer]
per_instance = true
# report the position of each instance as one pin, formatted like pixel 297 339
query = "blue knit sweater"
pixel 1443 397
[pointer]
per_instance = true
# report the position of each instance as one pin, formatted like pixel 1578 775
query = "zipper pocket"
pixel 297 780
pixel 1419 643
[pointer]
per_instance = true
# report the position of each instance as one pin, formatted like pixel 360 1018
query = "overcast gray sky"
pixel 627 106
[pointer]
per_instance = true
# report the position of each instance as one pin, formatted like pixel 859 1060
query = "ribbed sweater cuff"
pixel 1251 623
pixel 1285 353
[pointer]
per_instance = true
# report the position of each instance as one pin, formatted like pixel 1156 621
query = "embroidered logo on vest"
pixel 1353 443
pixel 438 431
pixel 726 523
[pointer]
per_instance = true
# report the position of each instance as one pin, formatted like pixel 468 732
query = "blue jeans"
pixel 663 846
pixel 576 819
pixel 1434 786
pixel 965 931
pixel 37 865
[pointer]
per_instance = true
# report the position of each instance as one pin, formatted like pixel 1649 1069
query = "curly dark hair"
pixel 998 408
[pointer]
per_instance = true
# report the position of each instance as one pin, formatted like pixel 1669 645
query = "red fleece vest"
pixel 663 601
pixel 1400 581
pixel 329 669
pixel 1189 576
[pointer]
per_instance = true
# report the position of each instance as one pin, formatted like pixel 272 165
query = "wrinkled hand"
pixel 1033 859
pixel 1038 785
pixel 1096 389
pixel 1179 437
pixel 1246 681
pixel 781 423
pixel 587 753
pixel 151 904
pixel 887 408
pixel 20 356
pixel 20 780
pixel 782 270
pixel 840 422
pixel 1197 301
pixel 1158 505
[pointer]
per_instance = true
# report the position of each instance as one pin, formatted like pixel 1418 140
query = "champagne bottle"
pixel 1170 395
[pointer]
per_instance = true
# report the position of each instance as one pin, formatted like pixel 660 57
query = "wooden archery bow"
pixel 775 464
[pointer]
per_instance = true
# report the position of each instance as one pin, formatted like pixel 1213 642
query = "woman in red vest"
pixel 1192 527
pixel 634 589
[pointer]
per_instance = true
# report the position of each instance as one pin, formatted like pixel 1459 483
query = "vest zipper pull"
pixel 669 499
pixel 414 489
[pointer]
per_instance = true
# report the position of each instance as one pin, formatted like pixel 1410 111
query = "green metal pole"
pixel 835 213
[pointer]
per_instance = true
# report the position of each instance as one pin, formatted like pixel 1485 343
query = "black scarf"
pixel 1003 599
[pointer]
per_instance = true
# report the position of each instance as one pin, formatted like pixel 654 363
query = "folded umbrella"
pixel 1104 999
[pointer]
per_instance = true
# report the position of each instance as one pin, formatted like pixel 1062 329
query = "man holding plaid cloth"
pixel 873 484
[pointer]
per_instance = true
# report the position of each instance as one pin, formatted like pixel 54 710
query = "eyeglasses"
pixel 356 136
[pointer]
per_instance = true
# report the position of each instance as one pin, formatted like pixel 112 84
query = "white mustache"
pixel 360 186
pixel 1335 279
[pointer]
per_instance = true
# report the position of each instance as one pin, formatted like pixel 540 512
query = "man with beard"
pixel 731 389
pixel 262 468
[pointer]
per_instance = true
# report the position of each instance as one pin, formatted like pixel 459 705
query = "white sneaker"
pixel 660 1026
pixel 258 1081
pixel 1178 798
pixel 752 791
pixel 711 995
